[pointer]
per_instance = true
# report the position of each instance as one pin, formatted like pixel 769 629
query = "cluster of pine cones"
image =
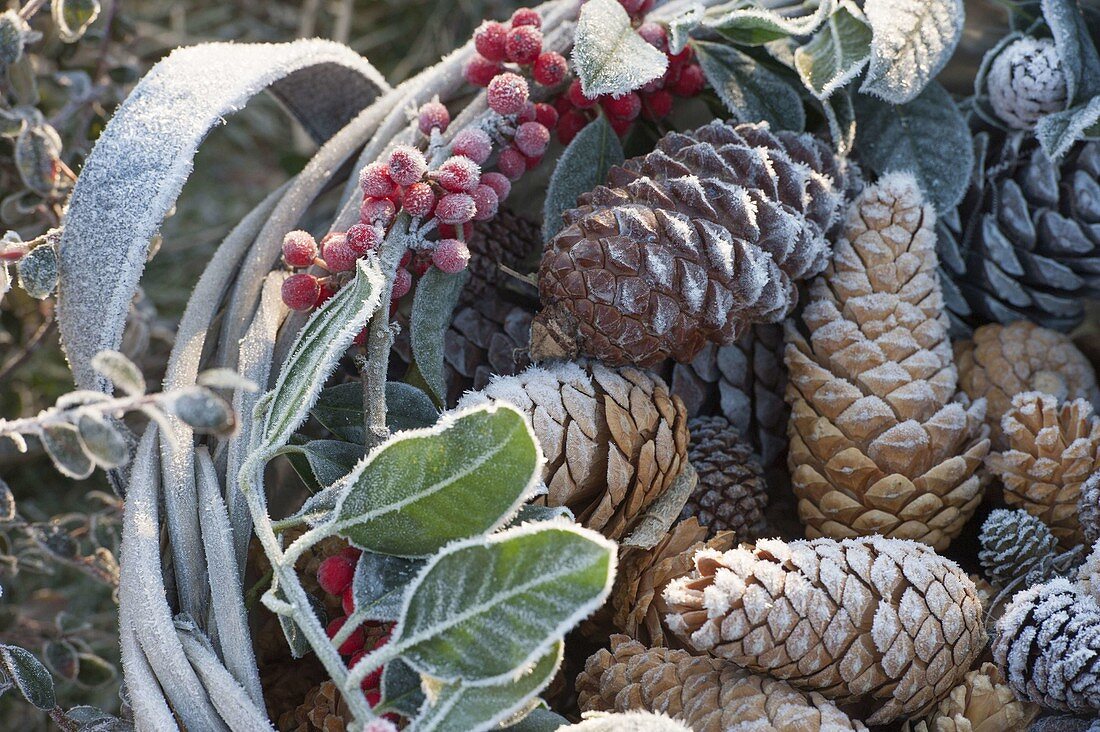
pixel 740 367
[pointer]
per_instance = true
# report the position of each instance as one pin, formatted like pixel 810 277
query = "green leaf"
pixel 38 272
pixel 72 17
pixel 530 512
pixel 329 460
pixel 29 676
pixel 1057 132
pixel 836 53
pixel 841 116
pixel 401 689
pixel 95 671
pixel 485 607
pixel 433 305
pixel 61 658
pixel 408 408
pixel 121 371
pixel 609 57
pixel 927 136
pixel 583 166
pixel 379 584
pixel 751 92
pixel 424 488
pixel 463 707
pixel 1076 50
pixel 912 41
pixel 755 26
pixel 540 719
pixel 102 440
pixel 62 443
pixel 295 639
pixel 319 345
pixel 339 409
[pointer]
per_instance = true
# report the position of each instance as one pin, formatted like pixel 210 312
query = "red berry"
pixel 684 57
pixel 474 143
pixel 352 552
pixel 335 573
pixel 479 70
pixel 485 202
pixel 499 183
pixel 562 104
pixel 532 138
pixel 419 199
pixel 654 35
pixel 373 679
pixel 360 340
pixel 512 163
pixel 299 249
pixel 347 600
pixel 489 40
pixel 375 181
pixel 354 642
pixel 378 211
pixel 507 93
pixel 407 165
pixel 546 115
pixel 406 258
pixel 450 231
pixel 459 174
pixel 528 114
pixel 690 83
pixel 652 85
pixel 625 107
pixel 420 264
pixel 620 125
pixel 455 208
pixel 300 291
pixel 325 293
pixel 526 16
pixel 373 697
pixel 363 238
pixel 569 125
pixel 339 257
pixel 632 6
pixel 577 97
pixel 530 163
pixel 433 115
pixel 550 68
pixel 451 255
pixel 524 44
pixel 402 283
pixel 656 105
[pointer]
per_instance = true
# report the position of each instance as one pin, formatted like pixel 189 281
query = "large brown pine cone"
pixel 322 710
pixel 614 439
pixel 1052 450
pixel 1001 361
pixel 980 703
pixel 885 625
pixel 731 494
pixel 708 694
pixel 689 244
pixel 880 444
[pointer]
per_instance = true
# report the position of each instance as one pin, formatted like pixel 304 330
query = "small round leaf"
pixel 29 676
pixel 38 272
pixel 61 658
pixel 103 441
pixel 120 370
pixel 202 410
pixel 62 442
pixel 73 17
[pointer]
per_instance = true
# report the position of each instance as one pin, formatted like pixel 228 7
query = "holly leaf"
pixel 433 305
pixel 912 40
pixel 609 57
pixel 836 54
pixel 751 92
pixel 584 165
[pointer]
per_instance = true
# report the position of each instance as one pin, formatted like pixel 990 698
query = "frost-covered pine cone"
pixel 880 442
pixel 1001 361
pixel 689 244
pixel 614 439
pixel 885 624
pixel 322 710
pixel 1052 449
pixel 982 702
pixel 1047 644
pixel 1016 544
pixel 708 694
pixel 731 494
pixel 1088 509
pixel 1027 82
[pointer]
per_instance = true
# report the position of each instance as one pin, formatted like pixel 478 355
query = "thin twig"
pixel 48 326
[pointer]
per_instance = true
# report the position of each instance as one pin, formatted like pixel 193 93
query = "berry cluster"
pixel 334 575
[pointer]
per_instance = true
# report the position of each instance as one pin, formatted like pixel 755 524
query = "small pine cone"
pixel 323 709
pixel 880 444
pixel 886 625
pixel 731 494
pixel 1027 82
pixel 1046 646
pixel 689 244
pixel 636 605
pixel 1016 544
pixel 980 703
pixel 708 694
pixel 1002 361
pixel 614 439
pixel 1052 450
pixel 1088 509
pixel 507 239
pixel 986 591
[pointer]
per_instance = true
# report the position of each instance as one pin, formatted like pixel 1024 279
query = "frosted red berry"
pixel 620 125
pixel 625 107
pixel 419 199
pixel 684 57
pixel 473 143
pixel 562 104
pixel 363 238
pixel 433 115
pixel 378 211
pixel 526 16
pixel 657 105
pixel 339 257
pixel 489 40
pixel 690 83
pixel 354 642
pixel 485 202
pixel 402 283
pixel 459 174
pixel 450 231
pixel 531 139
pixel 335 573
pixel 512 163
pixel 524 44
pixel 347 599
pixel 577 97
pixel 421 263
pixel 531 162
pixel 569 125
pixel 299 248
pixel 407 165
pixel 527 114
pixel 326 291
pixel 499 183
pixel 376 182
pixel 546 115
pixel 451 256
pixel 632 7
pixel 455 208
pixel 300 291
pixel 507 93
pixel 655 35
pixel 480 71
pixel 372 680
pixel 550 68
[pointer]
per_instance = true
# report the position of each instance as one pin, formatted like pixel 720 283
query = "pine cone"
pixel 1088 509
pixel 1002 361
pixel 1016 544
pixel 1025 243
pixel 323 709
pixel 885 625
pixel 707 694
pixel 691 243
pixel 879 442
pixel 614 440
pixel 507 239
pixel 1027 82
pixel 731 494
pixel 1052 450
pixel 1046 646
pixel 980 703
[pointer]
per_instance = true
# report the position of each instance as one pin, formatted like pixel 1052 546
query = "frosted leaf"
pixel 121 371
pixel 837 52
pixel 912 41
pixel 38 272
pixel 609 57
